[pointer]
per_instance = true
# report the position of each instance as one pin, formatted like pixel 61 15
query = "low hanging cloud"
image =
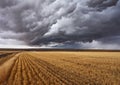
pixel 61 23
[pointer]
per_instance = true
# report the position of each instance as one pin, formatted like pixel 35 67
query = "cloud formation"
pixel 71 23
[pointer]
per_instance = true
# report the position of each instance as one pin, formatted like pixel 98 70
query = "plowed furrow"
pixel 36 74
pixel 13 72
pixel 18 76
pixel 30 73
pixel 48 76
pixel 54 73
pixel 24 71
pixel 51 73
pixel 27 72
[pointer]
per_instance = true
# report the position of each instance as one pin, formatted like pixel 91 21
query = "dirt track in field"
pixel 5 68
pixel 61 68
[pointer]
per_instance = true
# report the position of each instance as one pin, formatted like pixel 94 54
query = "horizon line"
pixel 58 49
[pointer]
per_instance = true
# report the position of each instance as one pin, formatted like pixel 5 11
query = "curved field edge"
pixel 6 66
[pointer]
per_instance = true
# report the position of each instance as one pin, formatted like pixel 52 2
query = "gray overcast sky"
pixel 83 24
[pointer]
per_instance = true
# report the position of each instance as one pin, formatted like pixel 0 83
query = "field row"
pixel 62 68
pixel 29 70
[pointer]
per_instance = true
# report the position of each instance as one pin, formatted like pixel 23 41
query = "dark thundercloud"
pixel 61 23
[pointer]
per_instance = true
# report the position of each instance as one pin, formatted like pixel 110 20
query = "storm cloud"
pixel 61 23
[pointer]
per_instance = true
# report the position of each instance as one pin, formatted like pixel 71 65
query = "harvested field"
pixel 60 68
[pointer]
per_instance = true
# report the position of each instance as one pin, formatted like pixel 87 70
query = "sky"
pixel 74 24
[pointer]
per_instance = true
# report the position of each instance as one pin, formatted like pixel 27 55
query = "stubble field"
pixel 59 68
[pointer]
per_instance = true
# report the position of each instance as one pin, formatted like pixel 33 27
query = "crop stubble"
pixel 63 68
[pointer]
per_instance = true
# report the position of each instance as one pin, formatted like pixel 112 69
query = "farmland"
pixel 59 68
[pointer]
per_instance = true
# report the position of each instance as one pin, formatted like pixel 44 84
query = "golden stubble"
pixel 5 68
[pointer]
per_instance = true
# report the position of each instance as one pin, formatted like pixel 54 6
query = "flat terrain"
pixel 59 68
